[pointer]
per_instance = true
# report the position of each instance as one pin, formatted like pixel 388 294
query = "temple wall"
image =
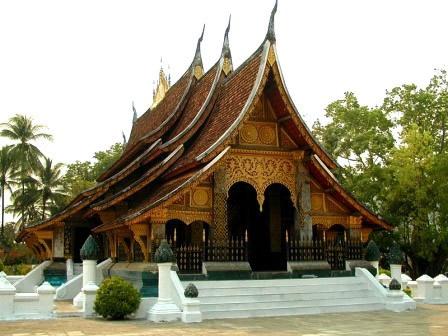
pixel 58 242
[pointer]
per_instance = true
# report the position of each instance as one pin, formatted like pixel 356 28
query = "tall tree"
pixel 405 180
pixel 82 175
pixel 25 203
pixel 48 181
pixel 23 132
pixel 360 138
pixel 7 172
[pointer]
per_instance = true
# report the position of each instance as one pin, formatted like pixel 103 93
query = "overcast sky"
pixel 76 66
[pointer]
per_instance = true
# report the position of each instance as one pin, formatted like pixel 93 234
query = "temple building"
pixel 222 166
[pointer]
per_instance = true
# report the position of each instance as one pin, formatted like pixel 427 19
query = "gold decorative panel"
pixel 316 202
pixel 249 134
pixel 201 197
pixel 198 71
pixel 261 169
pixel 227 66
pixel 271 56
pixel 259 133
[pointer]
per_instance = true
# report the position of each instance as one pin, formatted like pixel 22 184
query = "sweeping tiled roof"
pixel 178 142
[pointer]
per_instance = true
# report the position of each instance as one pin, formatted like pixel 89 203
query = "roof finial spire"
pixel 270 35
pixel 197 56
pixel 134 118
pixel 225 46
pixel 125 141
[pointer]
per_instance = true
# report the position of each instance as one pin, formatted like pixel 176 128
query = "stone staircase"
pixel 251 298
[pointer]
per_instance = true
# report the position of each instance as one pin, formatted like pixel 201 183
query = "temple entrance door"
pixel 277 221
pixel 266 231
pixel 243 218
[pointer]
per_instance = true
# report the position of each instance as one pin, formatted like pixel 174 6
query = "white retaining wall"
pixel 71 288
pixel 15 305
pixel 33 278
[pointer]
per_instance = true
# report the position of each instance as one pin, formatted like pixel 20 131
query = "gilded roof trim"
pixel 362 209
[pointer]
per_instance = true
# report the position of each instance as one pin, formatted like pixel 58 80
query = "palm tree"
pixel 22 131
pixel 48 181
pixel 7 173
pixel 25 203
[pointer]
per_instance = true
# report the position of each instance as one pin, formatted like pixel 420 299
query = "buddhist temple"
pixel 221 165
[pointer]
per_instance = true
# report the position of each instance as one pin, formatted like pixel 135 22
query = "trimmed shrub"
pixel 90 249
pixel 372 252
pixel 394 285
pixel 2 266
pixel 191 291
pixel 385 271
pixel 164 253
pixel 363 264
pixel 395 254
pixel 116 299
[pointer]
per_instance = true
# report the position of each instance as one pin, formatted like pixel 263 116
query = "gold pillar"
pixel 219 229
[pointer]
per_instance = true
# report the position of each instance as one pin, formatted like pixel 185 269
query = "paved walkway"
pixel 426 320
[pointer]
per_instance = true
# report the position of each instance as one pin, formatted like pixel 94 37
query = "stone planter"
pixel 395 271
pixel 46 298
pixel 443 281
pixel 165 309
pixel 89 291
pixel 191 311
pixel 7 293
pixel 424 288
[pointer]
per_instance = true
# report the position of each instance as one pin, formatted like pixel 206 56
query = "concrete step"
pixel 276 282
pixel 296 296
pixel 335 308
pixel 275 305
pixel 277 297
pixel 59 314
pixel 284 289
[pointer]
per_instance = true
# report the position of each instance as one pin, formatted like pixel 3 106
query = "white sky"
pixel 76 66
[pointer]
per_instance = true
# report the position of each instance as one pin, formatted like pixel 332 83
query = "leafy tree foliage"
pixel 361 139
pixel 82 175
pixel 7 174
pixel 48 184
pixel 395 160
pixel 23 132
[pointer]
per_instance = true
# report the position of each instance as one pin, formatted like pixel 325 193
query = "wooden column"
pixel 219 229
pixel 303 218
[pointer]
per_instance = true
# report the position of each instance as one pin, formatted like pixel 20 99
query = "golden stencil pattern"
pixel 261 172
pixel 267 135
pixel 200 198
pixel 249 134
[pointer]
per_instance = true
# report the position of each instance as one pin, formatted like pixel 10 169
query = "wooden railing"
pixel 336 251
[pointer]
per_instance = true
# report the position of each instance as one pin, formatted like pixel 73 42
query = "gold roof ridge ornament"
pixel 270 35
pixel 163 85
pixel 198 68
pixel 227 66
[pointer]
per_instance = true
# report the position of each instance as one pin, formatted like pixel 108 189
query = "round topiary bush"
pixel 191 291
pixel 395 255
pixel 372 252
pixel 164 253
pixel 116 298
pixel 363 264
pixel 90 249
pixel 394 285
